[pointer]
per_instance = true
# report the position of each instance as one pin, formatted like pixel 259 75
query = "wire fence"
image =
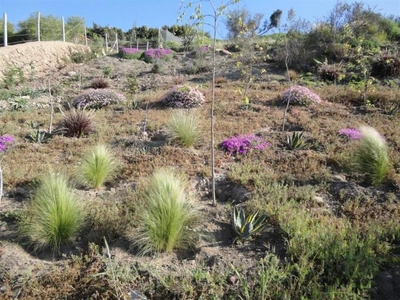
pixel 108 43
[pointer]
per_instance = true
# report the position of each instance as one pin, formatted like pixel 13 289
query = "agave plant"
pixel 245 227
pixel 296 141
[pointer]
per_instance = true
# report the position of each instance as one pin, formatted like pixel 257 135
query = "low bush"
pixel 184 96
pixel 75 123
pixel 98 166
pixel 97 99
pixel 167 218
pixel 130 53
pixel 53 216
pixel 300 95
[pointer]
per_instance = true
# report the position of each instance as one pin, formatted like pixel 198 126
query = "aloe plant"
pixel 245 227
pixel 296 141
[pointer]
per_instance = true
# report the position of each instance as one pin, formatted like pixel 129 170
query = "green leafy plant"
pixel 37 135
pixel 184 128
pixel 53 216
pixel 107 72
pixel 296 141
pixel 97 167
pixel 75 123
pixel 371 156
pixel 19 103
pixel 245 227
pixel 167 216
pixel 13 77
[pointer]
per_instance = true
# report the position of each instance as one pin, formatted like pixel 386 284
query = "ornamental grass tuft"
pixel 97 167
pixel 75 123
pixel 184 128
pixel 300 95
pixel 167 217
pixel 371 156
pixel 53 216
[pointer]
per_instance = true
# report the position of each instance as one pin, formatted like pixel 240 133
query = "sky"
pixel 125 14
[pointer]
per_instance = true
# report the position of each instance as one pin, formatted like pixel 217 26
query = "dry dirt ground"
pixel 18 262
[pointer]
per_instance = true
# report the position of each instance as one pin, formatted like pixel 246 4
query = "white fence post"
pixel 5 38
pixel 137 44
pixel 85 36
pixel 147 45
pixel 116 42
pixel 106 43
pixel 63 29
pixel 38 26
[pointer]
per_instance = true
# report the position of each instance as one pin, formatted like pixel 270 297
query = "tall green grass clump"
pixel 184 128
pixel 371 156
pixel 167 216
pixel 53 216
pixel 97 167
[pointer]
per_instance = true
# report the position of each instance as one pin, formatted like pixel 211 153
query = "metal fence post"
pixel 5 38
pixel 38 26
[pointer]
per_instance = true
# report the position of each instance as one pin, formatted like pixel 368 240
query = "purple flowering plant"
pixel 241 144
pixel 300 95
pixel 153 55
pixel 5 142
pixel 130 53
pixel 96 99
pixel 184 96
pixel 351 133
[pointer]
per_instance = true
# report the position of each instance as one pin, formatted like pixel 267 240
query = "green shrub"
pixel 167 216
pixel 97 167
pixel 53 216
pixel 12 77
pixel 371 156
pixel 184 128
pixel 75 123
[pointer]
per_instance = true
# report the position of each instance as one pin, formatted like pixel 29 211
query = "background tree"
pixel 240 23
pixel 50 27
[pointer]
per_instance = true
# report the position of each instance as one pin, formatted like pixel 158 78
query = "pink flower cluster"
pixel 153 54
pixel 184 96
pixel 241 144
pixel 300 95
pixel 5 142
pixel 351 133
pixel 96 99
pixel 130 53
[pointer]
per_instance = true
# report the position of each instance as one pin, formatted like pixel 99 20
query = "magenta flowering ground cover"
pixel 300 95
pixel 131 53
pixel 241 144
pixel 5 142
pixel 152 55
pixel 351 133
